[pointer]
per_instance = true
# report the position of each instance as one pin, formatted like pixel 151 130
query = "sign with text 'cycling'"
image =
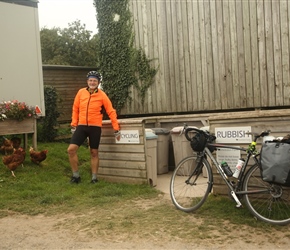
pixel 129 136
pixel 233 135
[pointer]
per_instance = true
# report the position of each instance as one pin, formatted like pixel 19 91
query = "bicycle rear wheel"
pixel 269 203
pixel 188 192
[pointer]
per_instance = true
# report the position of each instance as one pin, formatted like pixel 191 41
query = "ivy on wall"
pixel 121 65
pixel 144 72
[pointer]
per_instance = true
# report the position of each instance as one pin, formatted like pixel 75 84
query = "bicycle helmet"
pixel 94 74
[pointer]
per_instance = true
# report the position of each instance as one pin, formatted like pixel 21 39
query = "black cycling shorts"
pixel 83 132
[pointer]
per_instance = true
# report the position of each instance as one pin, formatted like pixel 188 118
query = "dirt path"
pixel 77 231
pixel 40 232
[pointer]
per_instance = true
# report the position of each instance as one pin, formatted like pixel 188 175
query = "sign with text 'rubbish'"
pixel 129 137
pixel 233 135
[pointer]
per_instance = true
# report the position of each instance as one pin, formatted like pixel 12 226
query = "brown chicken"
pixel 7 147
pixel 37 156
pixel 16 142
pixel 14 160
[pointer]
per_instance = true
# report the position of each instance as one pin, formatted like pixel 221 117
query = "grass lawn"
pixel 119 207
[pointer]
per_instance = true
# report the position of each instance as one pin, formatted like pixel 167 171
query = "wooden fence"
pixel 67 80
pixel 213 54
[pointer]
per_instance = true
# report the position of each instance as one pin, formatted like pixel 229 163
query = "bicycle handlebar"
pixel 187 130
pixel 256 136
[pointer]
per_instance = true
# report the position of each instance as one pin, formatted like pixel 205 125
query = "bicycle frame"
pixel 251 152
pixel 235 188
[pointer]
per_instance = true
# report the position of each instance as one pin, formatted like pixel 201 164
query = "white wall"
pixel 20 55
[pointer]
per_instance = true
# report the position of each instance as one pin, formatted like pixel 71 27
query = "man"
pixel 87 117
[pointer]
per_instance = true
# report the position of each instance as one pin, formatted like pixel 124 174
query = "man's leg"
pixel 73 160
pixel 94 164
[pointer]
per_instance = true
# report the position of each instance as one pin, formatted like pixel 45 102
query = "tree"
pixel 70 46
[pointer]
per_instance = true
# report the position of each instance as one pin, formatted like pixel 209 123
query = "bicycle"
pixel 192 180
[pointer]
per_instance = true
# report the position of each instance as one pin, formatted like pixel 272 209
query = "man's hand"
pixel 117 134
pixel 73 129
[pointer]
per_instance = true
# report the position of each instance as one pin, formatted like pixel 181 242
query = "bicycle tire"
pixel 190 196
pixel 271 206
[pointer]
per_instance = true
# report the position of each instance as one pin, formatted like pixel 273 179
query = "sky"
pixel 59 13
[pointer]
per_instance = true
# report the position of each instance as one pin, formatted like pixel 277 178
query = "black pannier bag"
pixel 275 162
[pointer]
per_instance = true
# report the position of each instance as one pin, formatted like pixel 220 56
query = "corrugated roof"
pixel 31 3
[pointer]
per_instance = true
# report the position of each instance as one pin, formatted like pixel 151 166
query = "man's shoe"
pixel 75 180
pixel 93 181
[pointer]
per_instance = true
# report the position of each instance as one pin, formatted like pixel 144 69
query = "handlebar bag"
pixel 275 162
pixel 198 142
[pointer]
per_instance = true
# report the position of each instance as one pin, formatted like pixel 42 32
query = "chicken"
pixel 14 160
pixel 23 154
pixel 37 156
pixel 16 142
pixel 7 147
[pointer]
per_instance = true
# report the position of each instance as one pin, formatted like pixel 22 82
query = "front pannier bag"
pixel 275 162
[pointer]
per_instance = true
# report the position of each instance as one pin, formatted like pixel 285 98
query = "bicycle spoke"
pixel 272 206
pixel 189 186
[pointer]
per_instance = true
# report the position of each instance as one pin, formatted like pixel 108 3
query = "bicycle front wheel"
pixel 189 187
pixel 267 202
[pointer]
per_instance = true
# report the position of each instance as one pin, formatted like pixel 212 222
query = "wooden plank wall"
pixel 213 54
pixel 123 162
pixel 278 121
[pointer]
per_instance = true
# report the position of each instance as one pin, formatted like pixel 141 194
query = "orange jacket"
pixel 87 109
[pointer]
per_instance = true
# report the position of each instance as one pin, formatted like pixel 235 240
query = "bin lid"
pixel 161 131
pixel 177 130
pixel 150 136
pixel 148 130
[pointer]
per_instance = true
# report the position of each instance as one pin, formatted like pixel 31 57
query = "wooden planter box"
pixel 27 126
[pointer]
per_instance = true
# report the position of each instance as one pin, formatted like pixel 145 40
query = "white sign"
pixel 233 135
pixel 129 136
pixel 228 155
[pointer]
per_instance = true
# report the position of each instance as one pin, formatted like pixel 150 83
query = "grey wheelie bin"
pixel 162 149
pixel 151 157
pixel 181 146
